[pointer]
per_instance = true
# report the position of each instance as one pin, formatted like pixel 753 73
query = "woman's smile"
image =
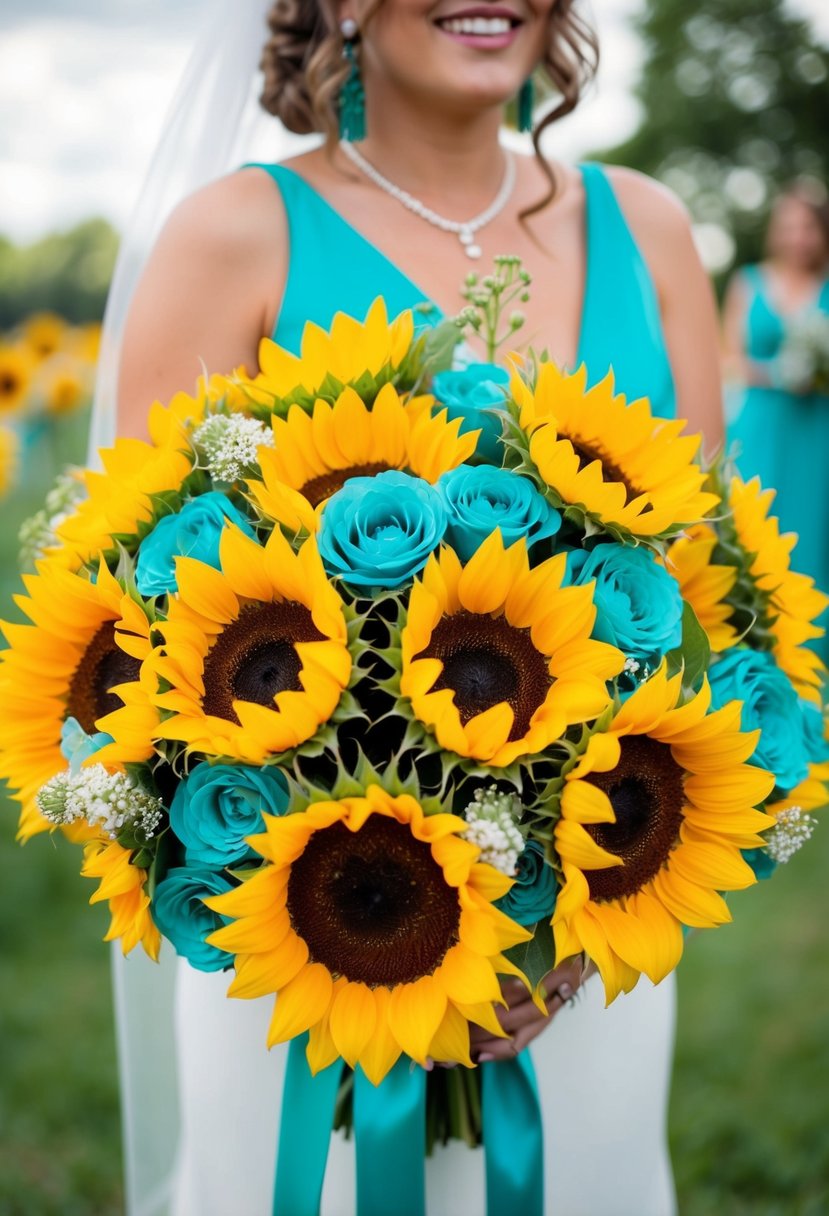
pixel 481 27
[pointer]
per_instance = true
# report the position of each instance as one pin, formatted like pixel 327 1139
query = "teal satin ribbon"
pixel 390 1134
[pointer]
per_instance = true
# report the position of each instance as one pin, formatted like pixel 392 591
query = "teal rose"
pixel 814 733
pixel 480 498
pixel 770 705
pixel 471 394
pixel 194 531
pixel 76 745
pixel 638 604
pixel 184 920
pixel 217 805
pixel 379 531
pixel 761 862
pixel 533 895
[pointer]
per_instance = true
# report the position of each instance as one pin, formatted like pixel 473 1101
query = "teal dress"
pixel 335 268
pixel 784 438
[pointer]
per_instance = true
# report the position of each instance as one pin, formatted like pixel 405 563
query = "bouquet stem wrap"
pixel 389 1128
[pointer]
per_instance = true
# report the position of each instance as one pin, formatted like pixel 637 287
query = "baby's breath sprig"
pixel 490 297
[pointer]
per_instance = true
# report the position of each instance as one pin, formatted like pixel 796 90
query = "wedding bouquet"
pixel 803 362
pixel 373 681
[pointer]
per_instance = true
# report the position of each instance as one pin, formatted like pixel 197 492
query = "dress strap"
pixel 621 319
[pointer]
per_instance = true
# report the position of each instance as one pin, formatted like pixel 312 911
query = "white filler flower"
pixel 231 443
pixel 793 828
pixel 491 824
pixel 108 801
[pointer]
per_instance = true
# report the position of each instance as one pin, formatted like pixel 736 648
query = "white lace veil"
pixel 214 125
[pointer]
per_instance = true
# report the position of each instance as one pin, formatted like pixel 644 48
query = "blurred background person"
pixel 776 333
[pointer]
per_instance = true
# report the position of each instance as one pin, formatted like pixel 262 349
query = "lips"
pixel 479 22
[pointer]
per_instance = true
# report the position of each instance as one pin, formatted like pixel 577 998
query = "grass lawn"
pixel 750 1108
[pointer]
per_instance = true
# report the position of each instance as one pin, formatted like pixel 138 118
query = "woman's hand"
pixel 523 1020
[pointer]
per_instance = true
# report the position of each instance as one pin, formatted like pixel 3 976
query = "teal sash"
pixel 390 1138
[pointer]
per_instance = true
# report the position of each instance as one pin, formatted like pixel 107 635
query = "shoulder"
pixel 237 217
pixel 648 204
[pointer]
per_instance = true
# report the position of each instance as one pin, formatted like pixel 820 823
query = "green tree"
pixel 735 99
pixel 65 272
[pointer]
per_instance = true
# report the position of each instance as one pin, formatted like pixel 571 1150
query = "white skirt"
pixel 603 1077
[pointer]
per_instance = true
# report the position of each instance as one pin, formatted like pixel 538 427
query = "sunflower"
pixel 16 370
pixel 353 349
pixel 794 602
pixel 613 462
pixel 119 499
pixel 373 923
pixel 86 638
pixel 497 658
pixel 123 885
pixel 316 453
pixel 704 585
pixel 45 333
pixel 65 386
pixel 653 818
pixel 8 459
pixel 255 656
pixel 85 342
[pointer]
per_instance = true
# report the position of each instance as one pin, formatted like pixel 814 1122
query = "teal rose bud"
pixel 480 498
pixel 194 531
pixel 184 920
pixel 218 805
pixel 471 394
pixel 533 895
pixel 770 705
pixel 379 531
pixel 638 605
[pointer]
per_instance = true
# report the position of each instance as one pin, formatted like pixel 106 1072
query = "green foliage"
pixel 537 956
pixel 693 655
pixel 734 97
pixel 67 273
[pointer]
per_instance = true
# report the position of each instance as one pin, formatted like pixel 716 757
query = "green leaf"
pixel 693 655
pixel 537 957
pixel 439 347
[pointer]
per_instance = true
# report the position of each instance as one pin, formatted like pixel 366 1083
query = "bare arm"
pixel 209 292
pixel 687 303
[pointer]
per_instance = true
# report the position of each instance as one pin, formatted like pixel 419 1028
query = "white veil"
pixel 214 125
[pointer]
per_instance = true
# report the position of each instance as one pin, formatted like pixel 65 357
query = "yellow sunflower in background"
pixel 610 458
pixel 350 350
pixel 497 658
pixel 653 818
pixel 123 886
pixel 255 656
pixel 316 453
pixel 373 923
pixel 85 342
pixel 45 333
pixel 704 585
pixel 65 385
pixel 16 371
pixel 65 664
pixel 9 449
pixel 794 601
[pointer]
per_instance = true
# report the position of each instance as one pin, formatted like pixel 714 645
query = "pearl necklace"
pixel 464 229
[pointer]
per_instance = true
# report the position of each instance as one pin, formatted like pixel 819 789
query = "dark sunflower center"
pixel 647 796
pixel 8 384
pixel 319 488
pixel 103 666
pixel 254 658
pixel 373 905
pixel 611 471
pixel 485 661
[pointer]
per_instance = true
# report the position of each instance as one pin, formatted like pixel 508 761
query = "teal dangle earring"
pixel 526 101
pixel 352 100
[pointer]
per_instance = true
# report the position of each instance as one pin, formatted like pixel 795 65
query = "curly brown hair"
pixel 304 67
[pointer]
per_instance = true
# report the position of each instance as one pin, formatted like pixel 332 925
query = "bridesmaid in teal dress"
pixel 783 436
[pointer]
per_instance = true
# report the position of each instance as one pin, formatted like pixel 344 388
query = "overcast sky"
pixel 84 86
